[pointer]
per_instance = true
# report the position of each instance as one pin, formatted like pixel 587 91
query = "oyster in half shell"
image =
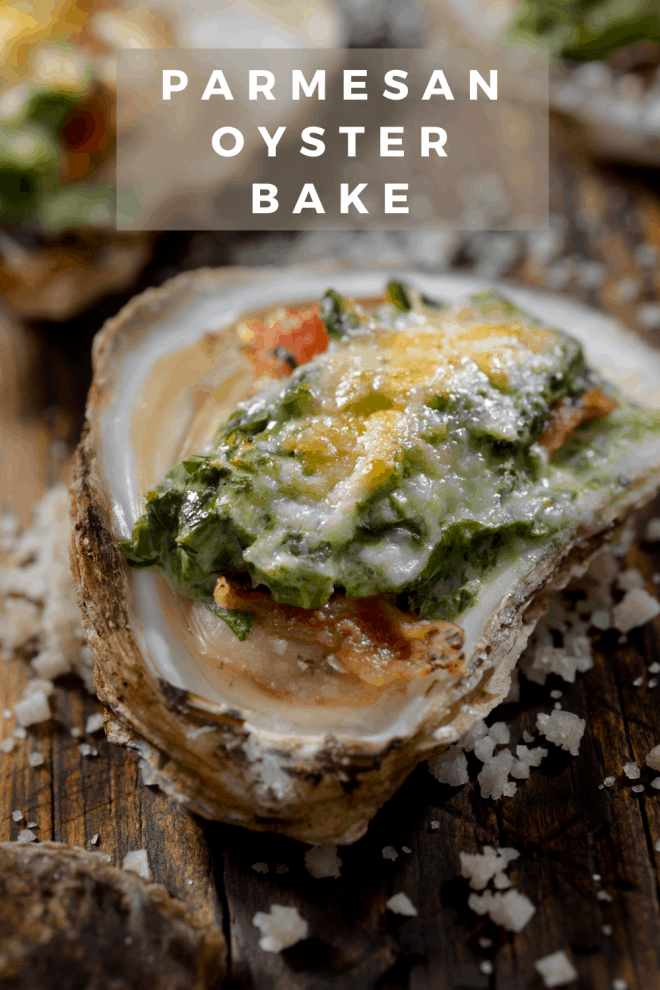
pixel 255 720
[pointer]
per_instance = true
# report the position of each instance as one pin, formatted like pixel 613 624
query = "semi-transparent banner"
pixel 313 139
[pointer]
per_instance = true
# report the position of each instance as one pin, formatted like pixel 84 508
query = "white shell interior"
pixel 615 351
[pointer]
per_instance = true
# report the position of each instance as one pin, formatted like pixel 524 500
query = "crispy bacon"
pixel 276 350
pixel 567 414
pixel 371 637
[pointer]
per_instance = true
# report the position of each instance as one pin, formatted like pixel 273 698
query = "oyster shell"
pixel 219 737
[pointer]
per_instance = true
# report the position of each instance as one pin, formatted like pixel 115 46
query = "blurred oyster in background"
pixel 59 249
pixel 604 55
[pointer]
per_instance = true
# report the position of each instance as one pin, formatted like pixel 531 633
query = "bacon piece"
pixel 371 637
pixel 567 414
pixel 276 350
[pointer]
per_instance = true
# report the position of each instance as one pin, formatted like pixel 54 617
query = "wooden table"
pixel 565 827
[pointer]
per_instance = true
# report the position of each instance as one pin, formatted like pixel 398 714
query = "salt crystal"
pixel 75 731
pixel 635 609
pixel 389 852
pixel 632 578
pixel 556 694
pixel 17 815
pixel 260 867
pixel 653 758
pixel 32 824
pixel 652 530
pixel 631 771
pixel 557 706
pixel 35 760
pixel 6 713
pixel 563 729
pixel 596 877
pixel 281 868
pixel 26 835
pixel 493 777
pixel 479 868
pixel 652 683
pixel 323 861
pixel 619 984
pixel 501 881
pixel 138 862
pixel 602 895
pixel 280 928
pixel 87 750
pixel 7 745
pixel 94 839
pixel 532 757
pixel 19 732
pixel 500 732
pixel 435 825
pixel 608 781
pixel 607 930
pixel 406 849
pixel 638 682
pixel 485 943
pixel 50 664
pixel 478 731
pixel 94 723
pixel 656 845
pixel 528 737
pixel 520 770
pixel 450 767
pixel 654 668
pixel 484 749
pixel 33 709
pixel 511 910
pixel 601 619
pixel 486 967
pixel 556 969
pixel 401 904
pixel 638 788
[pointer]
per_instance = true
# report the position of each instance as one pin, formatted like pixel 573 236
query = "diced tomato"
pixel 302 338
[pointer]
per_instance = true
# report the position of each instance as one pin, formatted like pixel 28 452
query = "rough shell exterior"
pixel 68 918
pixel 238 773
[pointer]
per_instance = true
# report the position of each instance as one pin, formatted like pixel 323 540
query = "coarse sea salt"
pixel 26 835
pixel 653 758
pixel 389 852
pixel 556 970
pixel 563 729
pixel 632 578
pixel 323 861
pixel 137 861
pixel 401 904
pixel 635 609
pixel 632 771
pixel 260 867
pixel 32 709
pixel 35 760
pixel 17 815
pixel 511 910
pixel 94 723
pixel 280 928
pixel 652 530
pixel 493 779
pixel 480 868
pixel 450 767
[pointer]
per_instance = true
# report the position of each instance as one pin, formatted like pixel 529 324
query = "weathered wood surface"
pixel 566 828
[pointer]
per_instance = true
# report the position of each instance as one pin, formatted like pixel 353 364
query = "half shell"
pixel 225 744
